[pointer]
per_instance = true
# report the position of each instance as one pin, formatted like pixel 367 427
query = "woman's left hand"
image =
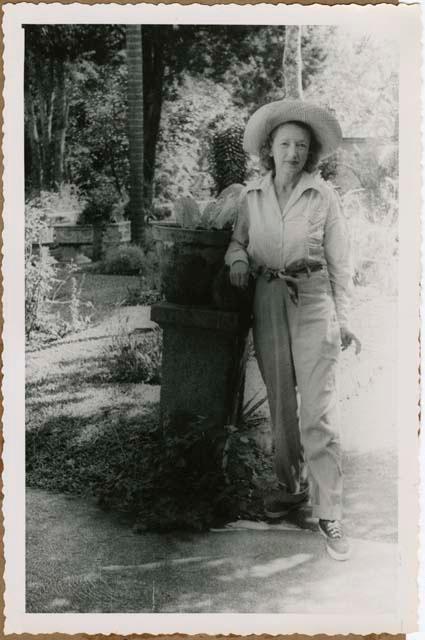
pixel 347 338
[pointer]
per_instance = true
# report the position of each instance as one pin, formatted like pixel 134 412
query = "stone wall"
pixel 70 241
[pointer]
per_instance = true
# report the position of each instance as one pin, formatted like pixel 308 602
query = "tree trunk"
pixel 45 91
pixel 135 130
pixel 46 119
pixel 33 165
pixel 60 123
pixel 153 73
pixel 292 63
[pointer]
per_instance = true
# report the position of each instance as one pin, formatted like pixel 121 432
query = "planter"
pixel 73 234
pixel 190 260
pixel 93 240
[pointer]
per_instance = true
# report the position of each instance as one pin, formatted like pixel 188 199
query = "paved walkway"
pixel 83 560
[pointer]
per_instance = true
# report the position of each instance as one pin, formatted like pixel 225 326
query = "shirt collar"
pixel 307 181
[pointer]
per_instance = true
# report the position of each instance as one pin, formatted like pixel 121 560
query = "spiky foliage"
pixel 227 159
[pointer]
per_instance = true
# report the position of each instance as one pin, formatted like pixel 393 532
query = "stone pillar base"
pixel 202 351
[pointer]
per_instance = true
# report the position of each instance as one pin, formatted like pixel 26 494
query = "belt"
pixel 289 275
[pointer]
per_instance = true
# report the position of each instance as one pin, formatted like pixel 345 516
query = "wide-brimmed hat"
pixel 324 124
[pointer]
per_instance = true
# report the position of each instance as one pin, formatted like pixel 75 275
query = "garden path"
pixel 83 560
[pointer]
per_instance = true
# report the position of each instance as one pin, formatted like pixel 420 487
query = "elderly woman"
pixel 291 234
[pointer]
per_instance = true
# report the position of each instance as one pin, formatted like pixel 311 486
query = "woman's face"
pixel 290 147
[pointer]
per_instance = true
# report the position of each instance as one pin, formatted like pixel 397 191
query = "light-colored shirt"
pixel 310 227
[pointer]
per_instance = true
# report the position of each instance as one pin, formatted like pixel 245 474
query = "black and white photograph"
pixel 211 354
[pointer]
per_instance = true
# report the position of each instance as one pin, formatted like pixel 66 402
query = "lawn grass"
pixel 103 292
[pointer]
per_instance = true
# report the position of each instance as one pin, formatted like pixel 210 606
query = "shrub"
pixel 374 243
pixel 188 474
pixel 44 280
pixel 227 158
pixel 183 138
pixel 376 169
pixel 139 295
pixel 127 260
pixel 328 167
pixel 40 274
pixel 64 205
pixel 135 358
pixel 39 279
pixel 103 204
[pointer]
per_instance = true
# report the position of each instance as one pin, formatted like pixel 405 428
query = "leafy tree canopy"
pixel 71 42
pixel 202 72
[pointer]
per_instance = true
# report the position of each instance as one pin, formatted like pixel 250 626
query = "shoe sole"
pixel 334 554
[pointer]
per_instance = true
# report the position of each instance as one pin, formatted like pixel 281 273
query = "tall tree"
pixel 292 63
pixel 46 109
pixel 51 52
pixel 136 130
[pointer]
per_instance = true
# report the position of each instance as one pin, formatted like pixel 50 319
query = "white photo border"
pixel 403 23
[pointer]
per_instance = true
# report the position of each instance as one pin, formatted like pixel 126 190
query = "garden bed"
pixel 90 434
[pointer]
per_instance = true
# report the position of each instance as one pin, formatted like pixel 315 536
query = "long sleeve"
pixel 236 250
pixel 338 258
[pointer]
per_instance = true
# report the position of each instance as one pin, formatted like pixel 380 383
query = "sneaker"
pixel 337 544
pixel 280 506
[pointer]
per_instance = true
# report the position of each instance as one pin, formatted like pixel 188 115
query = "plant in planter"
pixel 227 159
pixel 100 204
pixel 104 206
pixel 193 246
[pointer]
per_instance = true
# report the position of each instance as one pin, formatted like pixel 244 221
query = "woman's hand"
pixel 239 274
pixel 348 337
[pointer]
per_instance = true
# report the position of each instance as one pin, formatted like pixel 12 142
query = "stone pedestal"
pixel 202 350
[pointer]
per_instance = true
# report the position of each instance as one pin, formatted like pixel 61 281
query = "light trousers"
pixel 297 348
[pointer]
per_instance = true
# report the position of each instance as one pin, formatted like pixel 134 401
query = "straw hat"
pixel 268 117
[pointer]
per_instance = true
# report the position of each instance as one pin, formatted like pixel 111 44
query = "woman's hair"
pixel 267 161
